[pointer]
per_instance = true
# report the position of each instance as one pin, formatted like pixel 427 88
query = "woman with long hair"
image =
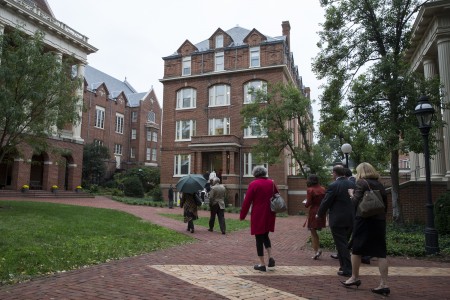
pixel 314 195
pixel 369 234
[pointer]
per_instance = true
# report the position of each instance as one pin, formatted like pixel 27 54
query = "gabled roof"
pixel 134 99
pixel 238 34
pixel 95 78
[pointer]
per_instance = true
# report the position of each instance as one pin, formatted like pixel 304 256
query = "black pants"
pixel 216 210
pixel 190 225
pixel 262 240
pixel 341 236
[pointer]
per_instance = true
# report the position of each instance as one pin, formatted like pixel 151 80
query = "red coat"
pixel 258 195
pixel 314 196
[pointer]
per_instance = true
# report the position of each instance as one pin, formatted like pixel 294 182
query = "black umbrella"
pixel 191 183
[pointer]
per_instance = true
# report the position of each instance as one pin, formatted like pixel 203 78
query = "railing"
pixel 31 8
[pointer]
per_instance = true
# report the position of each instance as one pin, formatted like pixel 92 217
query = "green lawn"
pixel 41 238
pixel 231 224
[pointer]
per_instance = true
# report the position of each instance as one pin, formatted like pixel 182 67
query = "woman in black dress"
pixel 369 234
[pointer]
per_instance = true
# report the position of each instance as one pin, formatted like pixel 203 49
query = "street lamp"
pixel 346 149
pixel 424 112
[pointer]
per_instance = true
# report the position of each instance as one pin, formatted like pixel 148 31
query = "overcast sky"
pixel 132 36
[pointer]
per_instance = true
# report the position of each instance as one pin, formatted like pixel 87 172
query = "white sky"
pixel 132 36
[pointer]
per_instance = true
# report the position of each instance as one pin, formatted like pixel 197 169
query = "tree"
pixel 94 167
pixel 273 109
pixel 37 93
pixel 362 46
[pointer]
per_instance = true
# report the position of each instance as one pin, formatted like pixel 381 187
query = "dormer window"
pixel 186 66
pixel 219 41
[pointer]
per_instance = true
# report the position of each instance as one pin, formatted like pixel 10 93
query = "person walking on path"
pixel 217 205
pixel 262 219
pixel 190 211
pixel 170 196
pixel 314 195
pixel 341 215
pixel 369 234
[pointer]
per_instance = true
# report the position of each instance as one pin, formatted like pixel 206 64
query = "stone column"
pixel 76 128
pixel 414 165
pixel 2 31
pixel 443 44
pixel 437 161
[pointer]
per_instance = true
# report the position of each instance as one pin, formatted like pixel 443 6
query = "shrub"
pixel 442 214
pixel 156 194
pixel 133 187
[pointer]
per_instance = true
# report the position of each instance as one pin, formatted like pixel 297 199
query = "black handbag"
pixel 371 204
pixel 198 199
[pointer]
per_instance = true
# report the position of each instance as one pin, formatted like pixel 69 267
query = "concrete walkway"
pixel 221 267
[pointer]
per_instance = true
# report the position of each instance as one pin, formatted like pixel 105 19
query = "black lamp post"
pixel 424 112
pixel 346 149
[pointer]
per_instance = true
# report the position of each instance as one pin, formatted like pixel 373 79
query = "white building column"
pixel 76 128
pixel 437 162
pixel 2 31
pixel 443 44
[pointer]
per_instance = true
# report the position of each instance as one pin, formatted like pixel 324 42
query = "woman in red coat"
pixel 314 195
pixel 262 219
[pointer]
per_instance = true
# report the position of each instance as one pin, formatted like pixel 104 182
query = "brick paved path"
pixel 221 268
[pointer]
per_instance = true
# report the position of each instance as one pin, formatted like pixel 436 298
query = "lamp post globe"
pixel 346 149
pixel 424 112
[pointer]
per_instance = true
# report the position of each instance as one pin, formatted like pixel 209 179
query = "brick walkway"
pixel 220 267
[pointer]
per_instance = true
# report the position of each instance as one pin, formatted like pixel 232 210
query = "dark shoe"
pixel 192 230
pixel 223 232
pixel 348 284
pixel 318 254
pixel 382 291
pixel 335 256
pixel 210 229
pixel 345 274
pixel 271 263
pixel 260 268
pixel 365 260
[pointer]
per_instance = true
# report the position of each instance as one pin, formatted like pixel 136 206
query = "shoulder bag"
pixel 198 199
pixel 371 203
pixel 277 204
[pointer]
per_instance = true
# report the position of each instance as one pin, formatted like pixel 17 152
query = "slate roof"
pixel 95 78
pixel 237 34
pixel 134 99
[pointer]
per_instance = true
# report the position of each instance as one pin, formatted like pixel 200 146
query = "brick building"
pixel 48 168
pixel 120 118
pixel 205 87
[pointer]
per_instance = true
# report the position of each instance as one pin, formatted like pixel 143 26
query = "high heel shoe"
pixel 348 284
pixel 318 254
pixel 382 291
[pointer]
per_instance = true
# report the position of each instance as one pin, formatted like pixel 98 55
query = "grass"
pixel 231 224
pixel 44 238
pixel 408 241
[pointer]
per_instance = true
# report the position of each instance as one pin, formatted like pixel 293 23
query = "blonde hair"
pixel 366 170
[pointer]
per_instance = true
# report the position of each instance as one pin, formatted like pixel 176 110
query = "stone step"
pixel 44 194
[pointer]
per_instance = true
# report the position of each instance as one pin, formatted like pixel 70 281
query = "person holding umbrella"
pixel 189 185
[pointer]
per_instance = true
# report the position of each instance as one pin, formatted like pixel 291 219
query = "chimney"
pixel 287 32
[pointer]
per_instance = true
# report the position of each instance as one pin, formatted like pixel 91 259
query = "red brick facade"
pixel 227 151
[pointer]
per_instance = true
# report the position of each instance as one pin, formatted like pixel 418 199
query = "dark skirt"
pixel 369 237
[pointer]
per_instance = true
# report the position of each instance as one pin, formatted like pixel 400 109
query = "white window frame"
pixel 254 130
pixel 119 123
pixel 148 153
pixel 256 85
pixel 219 41
pixel 219 61
pixel 117 149
pixel 219 126
pixel 149 135
pixel 186 71
pixel 186 98
pixel 178 161
pixel 98 142
pixel 133 134
pixel 255 57
pixel 154 154
pixel 249 165
pixel 219 95
pixel 184 126
pixel 154 136
pixel 99 117
pixel 132 153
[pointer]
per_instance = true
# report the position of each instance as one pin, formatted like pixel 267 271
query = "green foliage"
pixel 58 238
pixel 133 187
pixel 156 194
pixel 442 214
pixel 272 110
pixel 149 177
pixel 94 168
pixel 36 92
